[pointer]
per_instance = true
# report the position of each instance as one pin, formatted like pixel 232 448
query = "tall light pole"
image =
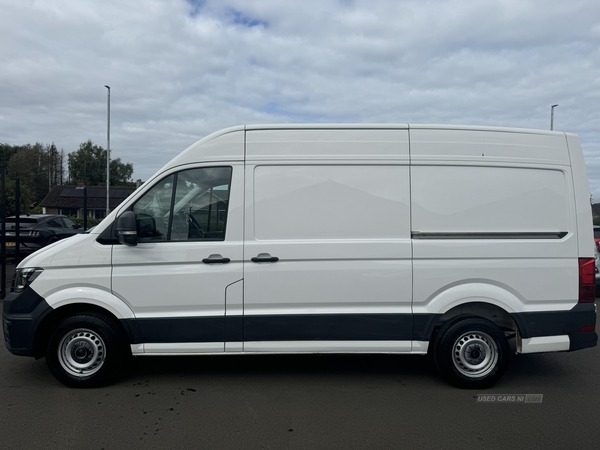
pixel 108 153
pixel 552 116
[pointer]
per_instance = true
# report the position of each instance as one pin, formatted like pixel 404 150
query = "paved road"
pixel 301 402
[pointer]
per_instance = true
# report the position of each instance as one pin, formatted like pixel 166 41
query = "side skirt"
pixel 283 347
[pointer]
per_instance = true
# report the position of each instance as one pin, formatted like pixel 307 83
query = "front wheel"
pixel 471 352
pixel 87 350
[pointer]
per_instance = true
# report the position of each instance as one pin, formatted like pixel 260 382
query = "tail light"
pixel 587 280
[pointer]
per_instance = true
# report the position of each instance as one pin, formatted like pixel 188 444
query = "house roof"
pixel 72 197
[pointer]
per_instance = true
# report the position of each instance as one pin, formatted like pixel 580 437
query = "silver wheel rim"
pixel 475 354
pixel 81 352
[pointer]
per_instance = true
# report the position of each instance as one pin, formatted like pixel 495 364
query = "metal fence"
pixel 10 239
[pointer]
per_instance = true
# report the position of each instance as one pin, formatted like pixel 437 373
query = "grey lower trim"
pixel 288 327
pixel 329 327
pixel 490 235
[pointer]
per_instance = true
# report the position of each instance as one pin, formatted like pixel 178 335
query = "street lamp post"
pixel 552 116
pixel 108 153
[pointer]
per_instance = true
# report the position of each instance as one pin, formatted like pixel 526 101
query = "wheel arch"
pixel 483 298
pixel 489 311
pixel 51 321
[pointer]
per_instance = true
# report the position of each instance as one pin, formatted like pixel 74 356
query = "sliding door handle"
pixel 264 257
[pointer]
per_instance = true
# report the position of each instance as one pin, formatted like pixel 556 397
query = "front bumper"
pixel 21 316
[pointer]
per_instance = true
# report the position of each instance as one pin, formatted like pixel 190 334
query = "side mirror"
pixel 127 229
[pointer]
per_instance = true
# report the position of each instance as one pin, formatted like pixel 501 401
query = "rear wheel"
pixel 471 352
pixel 87 350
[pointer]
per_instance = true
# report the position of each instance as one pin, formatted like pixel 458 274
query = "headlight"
pixel 24 277
pixel 33 234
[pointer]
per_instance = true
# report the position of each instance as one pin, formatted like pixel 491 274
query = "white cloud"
pixel 181 69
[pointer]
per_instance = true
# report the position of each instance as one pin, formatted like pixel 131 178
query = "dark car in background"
pixel 37 231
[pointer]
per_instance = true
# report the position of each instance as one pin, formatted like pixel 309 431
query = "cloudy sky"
pixel 181 69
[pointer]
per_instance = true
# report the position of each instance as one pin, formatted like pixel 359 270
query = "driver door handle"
pixel 216 259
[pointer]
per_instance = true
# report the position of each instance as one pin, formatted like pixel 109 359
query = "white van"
pixel 257 239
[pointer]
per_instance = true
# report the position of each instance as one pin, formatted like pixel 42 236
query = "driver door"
pixel 189 251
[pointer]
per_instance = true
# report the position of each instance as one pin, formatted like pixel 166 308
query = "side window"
pixel 190 205
pixel 54 223
pixel 201 204
pixel 68 222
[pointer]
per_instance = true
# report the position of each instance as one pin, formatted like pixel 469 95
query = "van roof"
pixel 264 142
pixel 389 126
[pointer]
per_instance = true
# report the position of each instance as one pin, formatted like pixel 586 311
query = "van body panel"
pixel 497 282
pixel 78 250
pixel 486 145
pixel 480 199
pixel 327 144
pixel 523 284
pixel 76 270
pixel 224 145
pixel 90 296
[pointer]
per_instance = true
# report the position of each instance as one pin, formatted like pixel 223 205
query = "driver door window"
pixel 190 205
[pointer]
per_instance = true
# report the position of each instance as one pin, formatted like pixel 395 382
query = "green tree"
pixel 26 196
pixel 54 163
pixel 39 166
pixel 14 167
pixel 120 173
pixel 6 151
pixel 24 164
pixel 88 164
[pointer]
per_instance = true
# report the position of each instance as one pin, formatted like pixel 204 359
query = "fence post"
pixel 85 211
pixel 3 245
pixel 17 220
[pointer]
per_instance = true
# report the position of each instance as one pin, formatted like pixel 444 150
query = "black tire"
pixel 87 350
pixel 471 352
